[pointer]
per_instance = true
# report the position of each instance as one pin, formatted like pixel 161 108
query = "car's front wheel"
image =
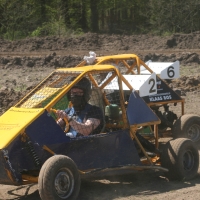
pixel 59 179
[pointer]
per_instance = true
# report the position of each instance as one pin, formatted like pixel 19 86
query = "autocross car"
pixel 34 148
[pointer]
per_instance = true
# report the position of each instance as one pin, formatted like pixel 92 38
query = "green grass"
pixel 189 70
pixel 20 88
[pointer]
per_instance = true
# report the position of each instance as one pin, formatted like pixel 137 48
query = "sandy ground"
pixel 149 185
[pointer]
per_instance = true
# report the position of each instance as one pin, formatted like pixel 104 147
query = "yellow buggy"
pixel 34 148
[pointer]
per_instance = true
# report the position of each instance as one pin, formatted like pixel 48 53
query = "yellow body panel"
pixel 14 121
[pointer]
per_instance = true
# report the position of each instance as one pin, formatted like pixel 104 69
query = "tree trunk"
pixel 94 16
pixel 43 10
pixel 83 21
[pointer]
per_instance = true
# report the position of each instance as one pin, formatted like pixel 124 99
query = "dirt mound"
pixel 50 60
pixel 184 41
pixel 8 97
pixel 66 52
pixel 105 42
pixel 186 84
pixel 57 61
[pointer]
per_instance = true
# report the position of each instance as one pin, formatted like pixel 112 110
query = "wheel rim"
pixel 194 132
pixel 64 183
pixel 188 160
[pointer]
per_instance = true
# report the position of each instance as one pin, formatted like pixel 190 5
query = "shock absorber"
pixel 33 154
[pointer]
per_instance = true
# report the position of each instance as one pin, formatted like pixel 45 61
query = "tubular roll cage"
pixel 101 64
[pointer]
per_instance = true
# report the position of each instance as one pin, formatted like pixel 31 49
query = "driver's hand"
pixel 61 122
pixel 61 114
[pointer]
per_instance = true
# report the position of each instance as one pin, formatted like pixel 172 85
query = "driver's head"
pixel 80 93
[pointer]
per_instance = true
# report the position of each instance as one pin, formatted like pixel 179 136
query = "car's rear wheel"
pixel 187 126
pixel 181 158
pixel 59 179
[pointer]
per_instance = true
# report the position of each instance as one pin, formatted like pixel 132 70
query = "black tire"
pixel 181 158
pixel 187 126
pixel 59 179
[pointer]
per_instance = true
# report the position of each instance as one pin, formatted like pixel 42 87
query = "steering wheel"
pixel 65 119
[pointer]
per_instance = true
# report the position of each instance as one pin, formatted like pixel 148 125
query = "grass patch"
pixel 189 70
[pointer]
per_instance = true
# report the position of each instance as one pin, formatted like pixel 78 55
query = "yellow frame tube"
pixel 133 131
pixel 156 135
pixel 124 117
pixel 81 64
pixel 92 79
pixel 108 80
pixel 27 179
pixel 130 68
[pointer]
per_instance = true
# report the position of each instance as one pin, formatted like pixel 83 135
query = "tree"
pixel 94 15
pixel 175 15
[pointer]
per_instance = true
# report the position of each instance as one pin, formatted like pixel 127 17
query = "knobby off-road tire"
pixel 59 179
pixel 181 158
pixel 187 126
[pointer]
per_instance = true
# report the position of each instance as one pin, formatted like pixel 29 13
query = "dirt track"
pixel 24 63
pixel 137 186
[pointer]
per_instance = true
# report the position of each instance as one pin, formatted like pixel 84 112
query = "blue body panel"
pixel 138 112
pixel 45 131
pixel 91 152
pixel 102 151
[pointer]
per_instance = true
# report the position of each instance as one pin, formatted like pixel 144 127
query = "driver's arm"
pixel 85 128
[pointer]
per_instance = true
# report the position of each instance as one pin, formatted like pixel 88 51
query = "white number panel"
pixel 166 70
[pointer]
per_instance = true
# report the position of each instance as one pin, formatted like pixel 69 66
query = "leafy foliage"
pixel 22 18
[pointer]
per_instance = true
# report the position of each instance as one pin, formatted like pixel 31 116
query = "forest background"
pixel 34 18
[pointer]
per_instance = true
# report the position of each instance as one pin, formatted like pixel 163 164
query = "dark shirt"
pixel 90 111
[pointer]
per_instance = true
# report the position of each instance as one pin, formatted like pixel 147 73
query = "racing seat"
pixel 96 99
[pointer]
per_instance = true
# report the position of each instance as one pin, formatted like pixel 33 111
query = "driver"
pixel 84 119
